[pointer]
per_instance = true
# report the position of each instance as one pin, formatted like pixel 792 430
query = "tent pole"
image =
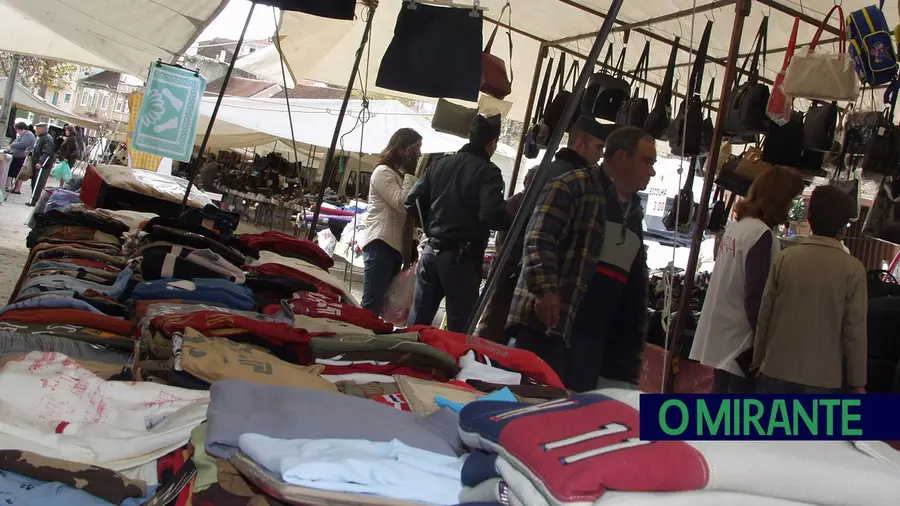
pixel 6 111
pixel 329 166
pixel 741 11
pixel 287 101
pixel 542 54
pixel 192 171
pixel 531 194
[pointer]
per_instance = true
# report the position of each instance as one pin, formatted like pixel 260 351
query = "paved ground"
pixel 13 230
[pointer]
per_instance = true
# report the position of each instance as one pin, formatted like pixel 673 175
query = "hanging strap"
pixel 695 84
pixel 792 42
pixel 558 78
pixel 709 97
pixel 665 92
pixel 620 65
pixel 542 98
pixel 843 33
pixel 890 99
pixel 641 69
pixel 608 59
pixel 761 41
pixel 572 77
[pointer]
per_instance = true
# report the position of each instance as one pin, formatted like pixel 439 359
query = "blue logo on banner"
pixel 772 417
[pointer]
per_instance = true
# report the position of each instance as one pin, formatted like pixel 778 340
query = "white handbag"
pixel 816 75
pixel 491 106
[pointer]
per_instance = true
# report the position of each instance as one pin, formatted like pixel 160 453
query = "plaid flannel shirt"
pixel 562 246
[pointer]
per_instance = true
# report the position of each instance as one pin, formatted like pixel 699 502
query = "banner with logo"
pixel 169 114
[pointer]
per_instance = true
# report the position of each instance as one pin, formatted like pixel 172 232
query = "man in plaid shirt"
pixel 580 300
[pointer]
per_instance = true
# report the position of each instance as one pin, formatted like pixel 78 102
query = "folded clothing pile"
pixel 586 450
pixel 290 246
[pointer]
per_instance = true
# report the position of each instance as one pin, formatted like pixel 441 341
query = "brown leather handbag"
pixel 494 80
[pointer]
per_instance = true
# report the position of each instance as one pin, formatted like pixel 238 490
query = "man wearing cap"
pixel 580 299
pixel 44 155
pixel 460 199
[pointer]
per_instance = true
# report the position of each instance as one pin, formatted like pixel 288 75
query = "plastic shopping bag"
pixel 62 171
pixel 399 298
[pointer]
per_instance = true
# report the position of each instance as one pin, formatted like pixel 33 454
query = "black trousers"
pixel 769 385
pixel 39 180
pixel 446 274
pixel 726 383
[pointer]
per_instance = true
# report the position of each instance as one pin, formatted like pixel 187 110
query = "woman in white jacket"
pixel 727 325
pixel 385 222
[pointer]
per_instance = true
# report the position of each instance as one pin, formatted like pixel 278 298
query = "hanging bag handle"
pixel 542 98
pixel 572 76
pixel 709 97
pixel 487 49
pixel 890 100
pixel 695 84
pixel 792 42
pixel 620 64
pixel 665 91
pixel 641 69
pixel 608 60
pixel 762 46
pixel 842 37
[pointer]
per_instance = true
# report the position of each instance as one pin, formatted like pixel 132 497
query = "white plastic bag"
pixel 399 298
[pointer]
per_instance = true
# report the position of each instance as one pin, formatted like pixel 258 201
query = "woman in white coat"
pixel 724 337
pixel 385 222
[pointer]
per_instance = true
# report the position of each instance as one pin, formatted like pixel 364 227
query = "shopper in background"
pixel 44 156
pixel 492 325
pixel 580 303
pixel 461 200
pixel 812 318
pixel 209 172
pixel 386 219
pixel 19 149
pixel 68 149
pixel 724 336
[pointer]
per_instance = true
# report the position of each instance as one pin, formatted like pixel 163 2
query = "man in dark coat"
pixel 44 156
pixel 460 199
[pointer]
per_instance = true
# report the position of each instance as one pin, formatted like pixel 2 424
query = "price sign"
pixel 656 202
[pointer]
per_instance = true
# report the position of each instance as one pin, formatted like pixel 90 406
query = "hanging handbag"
pixel 686 130
pixel 708 129
pixel 821 76
pixel 883 149
pixel 537 132
pixel 746 109
pixel 718 216
pixel 819 126
pixel 658 120
pixel 883 219
pixel 739 172
pixel 779 107
pixel 494 80
pixel 606 91
pixel 859 127
pixel 454 119
pixel 684 207
pixel 557 106
pixel 850 185
pixel 634 111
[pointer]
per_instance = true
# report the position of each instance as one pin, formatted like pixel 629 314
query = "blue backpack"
pixel 872 46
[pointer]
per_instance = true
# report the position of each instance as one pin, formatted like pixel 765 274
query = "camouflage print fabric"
pixel 103 483
pixel 367 390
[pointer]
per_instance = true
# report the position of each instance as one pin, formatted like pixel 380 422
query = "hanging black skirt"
pixel 435 52
pixel 335 9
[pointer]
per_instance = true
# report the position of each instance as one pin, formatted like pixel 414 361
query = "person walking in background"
pixel 68 149
pixel 580 303
pixel 461 200
pixel 19 149
pixel 383 246
pixel 812 318
pixel 728 320
pixel 44 156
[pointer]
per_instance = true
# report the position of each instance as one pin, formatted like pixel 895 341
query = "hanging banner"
pixel 167 122
pixel 138 159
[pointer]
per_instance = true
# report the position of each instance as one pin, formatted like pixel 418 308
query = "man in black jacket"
pixel 461 200
pixel 44 156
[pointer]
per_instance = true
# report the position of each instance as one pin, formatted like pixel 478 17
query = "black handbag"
pixel 660 116
pixel 860 127
pixel 883 147
pixel 606 91
pixel 635 110
pixel 819 126
pixel 557 106
pixel 883 219
pixel 881 283
pixel 658 120
pixel 746 109
pixel 718 215
pixel 536 137
pixel 683 207
pixel 686 130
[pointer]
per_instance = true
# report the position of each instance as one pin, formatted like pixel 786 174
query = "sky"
pixel 231 20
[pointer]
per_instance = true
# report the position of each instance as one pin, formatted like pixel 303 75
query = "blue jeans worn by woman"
pixel 382 263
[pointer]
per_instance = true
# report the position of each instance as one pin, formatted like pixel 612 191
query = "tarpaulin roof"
pixel 323 49
pixel 254 121
pixel 124 36
pixel 24 99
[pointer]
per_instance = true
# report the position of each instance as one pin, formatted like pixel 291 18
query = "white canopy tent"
pixel 120 36
pixel 323 49
pixel 243 122
pixel 24 99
